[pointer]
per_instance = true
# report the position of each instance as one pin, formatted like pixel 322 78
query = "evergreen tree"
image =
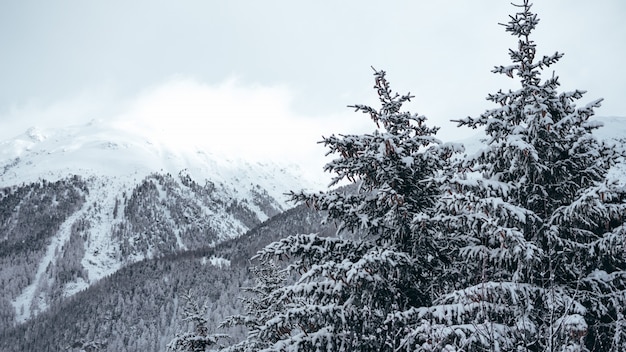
pixel 199 340
pixel 347 291
pixel 539 227
pixel 259 306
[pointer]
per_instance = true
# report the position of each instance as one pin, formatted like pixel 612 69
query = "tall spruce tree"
pixel 347 291
pixel 539 227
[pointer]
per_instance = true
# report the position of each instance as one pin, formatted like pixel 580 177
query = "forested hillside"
pixel 29 217
pixel 60 237
pixel 139 307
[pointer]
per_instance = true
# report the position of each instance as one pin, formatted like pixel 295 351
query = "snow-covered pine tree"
pixel 347 291
pixel 543 240
pixel 259 306
pixel 199 340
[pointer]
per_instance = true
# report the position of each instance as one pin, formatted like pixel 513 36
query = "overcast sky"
pixel 224 70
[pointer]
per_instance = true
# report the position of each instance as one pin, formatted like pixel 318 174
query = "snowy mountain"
pixel 100 149
pixel 139 307
pixel 79 203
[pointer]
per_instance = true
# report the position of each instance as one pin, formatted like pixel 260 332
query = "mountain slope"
pixel 77 204
pixel 138 308
pixel 100 149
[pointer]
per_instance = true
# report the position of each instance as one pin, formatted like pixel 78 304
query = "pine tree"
pixel 347 291
pixel 539 227
pixel 199 340
pixel 259 306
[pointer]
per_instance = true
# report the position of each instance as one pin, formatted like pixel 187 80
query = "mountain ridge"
pixel 139 198
pixel 101 149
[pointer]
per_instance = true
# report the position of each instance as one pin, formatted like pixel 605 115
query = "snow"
pixel 614 131
pixel 100 149
pixel 573 324
pixel 472 142
pixel 217 262
pixel 101 254
pixel 23 302
pixel 113 161
pixel 72 288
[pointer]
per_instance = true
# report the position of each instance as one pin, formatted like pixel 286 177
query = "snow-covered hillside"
pixel 137 198
pixel 100 149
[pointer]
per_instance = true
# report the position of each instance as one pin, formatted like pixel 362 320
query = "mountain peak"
pixel 100 149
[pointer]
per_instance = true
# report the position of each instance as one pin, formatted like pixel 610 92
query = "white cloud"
pixel 226 117
pixel 250 121
pixel 253 122
pixel 71 111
